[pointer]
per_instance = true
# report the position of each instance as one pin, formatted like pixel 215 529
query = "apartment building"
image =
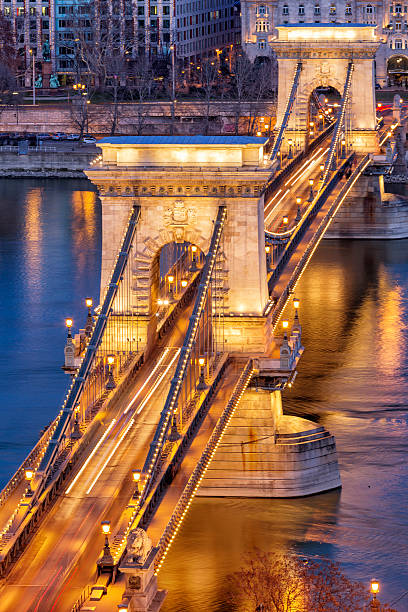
pixel 53 30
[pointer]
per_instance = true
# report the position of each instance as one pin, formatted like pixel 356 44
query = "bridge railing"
pixel 305 223
pixel 317 236
pixel 198 474
pixel 274 183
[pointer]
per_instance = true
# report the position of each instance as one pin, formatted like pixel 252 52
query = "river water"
pixel 352 379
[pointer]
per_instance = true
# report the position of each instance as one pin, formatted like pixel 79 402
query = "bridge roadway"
pixel 64 550
pixel 60 559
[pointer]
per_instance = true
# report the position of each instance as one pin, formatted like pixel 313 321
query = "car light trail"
pixel 153 389
pixel 143 404
pixel 90 456
pixel 158 364
pixel 110 455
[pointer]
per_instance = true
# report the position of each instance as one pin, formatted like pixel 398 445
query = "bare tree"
pixel 8 58
pixel 271 582
pixel 208 81
pixel 140 87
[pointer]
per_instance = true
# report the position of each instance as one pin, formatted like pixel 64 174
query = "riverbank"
pixel 58 163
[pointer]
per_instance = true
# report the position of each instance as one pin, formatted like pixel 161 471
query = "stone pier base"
pixel 369 212
pixel 266 454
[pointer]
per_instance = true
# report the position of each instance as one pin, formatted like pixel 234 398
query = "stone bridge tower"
pixel 179 183
pixel 325 51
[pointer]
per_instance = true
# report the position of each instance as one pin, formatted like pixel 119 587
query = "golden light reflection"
pixel 390 337
pixel 33 236
pixel 83 224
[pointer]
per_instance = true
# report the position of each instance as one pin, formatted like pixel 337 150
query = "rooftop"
pixel 183 140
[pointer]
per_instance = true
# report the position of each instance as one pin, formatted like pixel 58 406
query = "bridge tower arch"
pixel 325 52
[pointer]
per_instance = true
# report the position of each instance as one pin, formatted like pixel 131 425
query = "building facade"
pixel 260 18
pixel 53 30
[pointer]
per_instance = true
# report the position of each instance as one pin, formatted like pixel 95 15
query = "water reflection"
pixel 49 262
pixel 352 378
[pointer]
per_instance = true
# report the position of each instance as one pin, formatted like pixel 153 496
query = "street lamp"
pixel 184 283
pixel 29 476
pixel 170 279
pixel 343 149
pixel 321 171
pixel 285 220
pixel 89 319
pixel 136 474
pixel 193 267
pixel 268 257
pixel 374 588
pixel 201 382
pixel 69 323
pixel 33 77
pixel 311 194
pixel 285 325
pixel 290 143
pixel 111 381
pixel 107 558
pixel 298 212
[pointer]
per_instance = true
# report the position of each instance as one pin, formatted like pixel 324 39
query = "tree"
pixel 8 58
pixel 208 81
pixel 271 582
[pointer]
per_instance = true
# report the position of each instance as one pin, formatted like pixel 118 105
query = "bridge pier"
pixel 265 453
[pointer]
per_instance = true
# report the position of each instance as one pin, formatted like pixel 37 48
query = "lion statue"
pixel 139 546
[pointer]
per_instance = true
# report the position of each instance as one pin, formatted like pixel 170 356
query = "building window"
pixel 348 9
pixel 398 43
pixel 262 43
pixel 398 25
pixel 332 10
pixel 285 10
pixel 262 26
pixel 301 9
pixel 317 9
pixel 262 10
pixel 398 8
pixel 369 9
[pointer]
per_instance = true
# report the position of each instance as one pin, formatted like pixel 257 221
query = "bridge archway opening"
pixel 173 268
pixel 397 70
pixel 324 103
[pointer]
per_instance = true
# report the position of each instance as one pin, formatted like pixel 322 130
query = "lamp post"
pixel 343 149
pixel 69 323
pixel 285 325
pixel 111 381
pixel 311 194
pixel 29 473
pixel 33 76
pixel 268 257
pixel 136 474
pixel 76 432
pixel 184 283
pixel 201 382
pixel 170 279
pixel 321 172
pixel 298 211
pixel 290 143
pixel 193 267
pixel 107 558
pixel 89 319
pixel 285 220
pixel 374 588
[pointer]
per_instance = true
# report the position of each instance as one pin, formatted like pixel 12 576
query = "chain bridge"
pixel 178 373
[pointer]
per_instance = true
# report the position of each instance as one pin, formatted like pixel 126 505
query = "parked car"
pixel 87 139
pixel 59 136
pixel 43 136
pixel 72 136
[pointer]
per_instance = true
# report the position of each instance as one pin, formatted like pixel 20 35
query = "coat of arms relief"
pixel 177 218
